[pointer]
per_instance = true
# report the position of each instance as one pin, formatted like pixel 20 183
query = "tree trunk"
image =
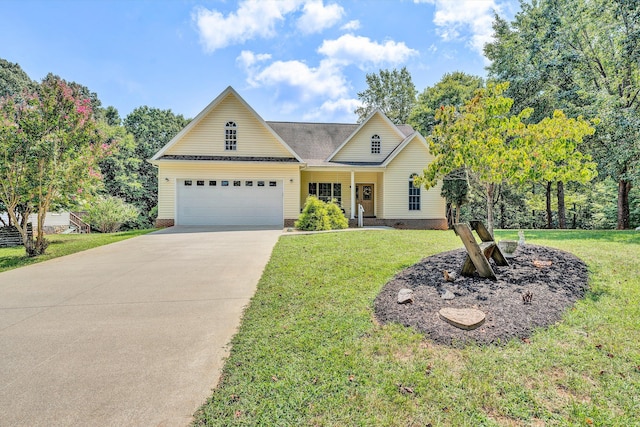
pixel 624 187
pixel 549 211
pixel 490 192
pixel 562 219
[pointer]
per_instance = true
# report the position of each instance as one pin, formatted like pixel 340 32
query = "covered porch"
pixel 348 186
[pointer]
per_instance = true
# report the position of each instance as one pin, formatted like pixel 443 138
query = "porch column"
pixel 353 194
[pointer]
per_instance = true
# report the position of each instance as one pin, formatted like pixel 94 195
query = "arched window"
pixel 375 144
pixel 230 137
pixel 414 194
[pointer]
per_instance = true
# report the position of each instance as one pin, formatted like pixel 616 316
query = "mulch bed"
pixel 555 287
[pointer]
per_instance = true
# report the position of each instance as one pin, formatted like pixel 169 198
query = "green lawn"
pixel 63 244
pixel 310 353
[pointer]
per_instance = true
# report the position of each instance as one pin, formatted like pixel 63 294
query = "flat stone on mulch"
pixel 463 318
pixel 555 278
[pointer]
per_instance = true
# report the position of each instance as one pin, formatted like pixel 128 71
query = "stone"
pixel 449 277
pixel 405 296
pixel 447 295
pixel 463 318
pixel 508 248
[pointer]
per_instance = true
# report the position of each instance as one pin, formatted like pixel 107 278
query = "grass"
pixel 309 351
pixel 61 245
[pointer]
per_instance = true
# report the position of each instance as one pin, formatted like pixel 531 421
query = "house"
pixel 230 167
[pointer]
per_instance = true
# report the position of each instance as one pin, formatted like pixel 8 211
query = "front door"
pixel 364 197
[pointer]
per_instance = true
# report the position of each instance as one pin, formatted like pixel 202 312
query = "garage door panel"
pixel 230 205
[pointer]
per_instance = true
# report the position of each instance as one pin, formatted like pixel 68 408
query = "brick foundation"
pixel 163 223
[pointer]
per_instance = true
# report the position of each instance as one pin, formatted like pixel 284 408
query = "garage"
pixel 229 202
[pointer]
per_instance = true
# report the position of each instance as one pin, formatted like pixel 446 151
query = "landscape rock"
pixel 405 296
pixel 449 277
pixel 463 318
pixel 448 295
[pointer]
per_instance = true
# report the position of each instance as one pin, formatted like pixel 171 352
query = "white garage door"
pixel 229 202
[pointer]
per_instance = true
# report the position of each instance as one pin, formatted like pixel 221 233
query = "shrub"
pixel 318 215
pixel 107 214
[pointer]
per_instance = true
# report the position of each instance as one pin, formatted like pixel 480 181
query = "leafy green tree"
pixel 393 92
pixel 494 146
pixel 107 214
pixel 454 89
pixel 120 168
pixel 13 80
pixel 49 149
pixel 582 56
pixel 151 128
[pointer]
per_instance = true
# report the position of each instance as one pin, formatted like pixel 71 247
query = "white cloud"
pixel 326 80
pixel 254 18
pixel 316 16
pixel 350 49
pixel 343 108
pixel 475 16
pixel 351 25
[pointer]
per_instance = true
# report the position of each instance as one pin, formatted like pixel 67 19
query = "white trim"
pixel 353 193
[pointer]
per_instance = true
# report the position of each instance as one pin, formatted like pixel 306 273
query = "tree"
pixel 494 146
pixel 49 148
pixel 454 89
pixel 151 128
pixel 120 169
pixel 13 79
pixel 582 56
pixel 393 92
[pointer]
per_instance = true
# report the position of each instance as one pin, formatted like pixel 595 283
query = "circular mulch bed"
pixel 555 286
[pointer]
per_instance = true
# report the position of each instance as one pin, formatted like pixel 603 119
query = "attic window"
pixel 230 137
pixel 375 144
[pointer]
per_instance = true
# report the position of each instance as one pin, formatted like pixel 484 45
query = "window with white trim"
pixel 414 194
pixel 376 144
pixel 326 191
pixel 230 137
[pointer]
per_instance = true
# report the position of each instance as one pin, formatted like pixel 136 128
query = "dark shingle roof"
pixel 316 141
pixel 313 140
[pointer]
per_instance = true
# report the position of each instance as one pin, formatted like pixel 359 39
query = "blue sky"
pixel 298 60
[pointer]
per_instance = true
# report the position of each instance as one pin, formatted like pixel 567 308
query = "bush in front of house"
pixel 107 214
pixel 318 215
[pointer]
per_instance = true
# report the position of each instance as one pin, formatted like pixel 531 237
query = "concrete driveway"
pixel 129 334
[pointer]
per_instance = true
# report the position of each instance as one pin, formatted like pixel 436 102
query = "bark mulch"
pixel 555 286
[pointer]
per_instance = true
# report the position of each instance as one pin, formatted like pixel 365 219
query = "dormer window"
pixel 230 137
pixel 375 144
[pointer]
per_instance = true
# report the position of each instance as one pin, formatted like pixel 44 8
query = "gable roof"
pixel 376 112
pixel 228 91
pixel 316 142
pixel 403 144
